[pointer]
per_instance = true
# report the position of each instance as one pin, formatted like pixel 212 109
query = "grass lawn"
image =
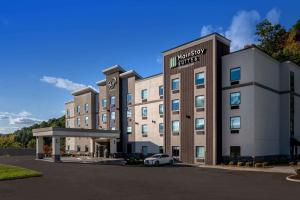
pixel 12 172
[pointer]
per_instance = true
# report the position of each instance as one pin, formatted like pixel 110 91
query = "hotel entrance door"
pixel 102 149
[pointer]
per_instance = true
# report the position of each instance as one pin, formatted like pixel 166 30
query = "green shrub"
pixel 291 163
pixel 248 164
pixel 258 165
pixel 231 163
pixel 297 171
pixel 240 164
pixel 265 164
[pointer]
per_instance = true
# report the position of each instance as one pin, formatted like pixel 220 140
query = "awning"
pixel 75 132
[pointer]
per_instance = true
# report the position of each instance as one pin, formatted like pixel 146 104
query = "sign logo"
pixel 112 83
pixel 186 58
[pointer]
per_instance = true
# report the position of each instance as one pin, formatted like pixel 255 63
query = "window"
pixel 68 113
pixel 200 152
pixel 235 98
pixel 129 129
pixel 175 151
pixel 235 122
pixel 199 78
pixel 200 124
pixel 78 148
pixel 104 117
pixel 144 150
pixel 144 111
pixel 104 103
pixel 175 126
pixel 161 109
pixel 235 74
pixel 161 149
pixel 144 129
pixel 86 107
pixel 86 121
pixel 175 105
pixel 68 147
pixel 78 121
pixel 129 98
pixel 144 94
pixel 78 109
pixel 112 100
pixel 129 113
pixel 199 102
pixel 235 151
pixel 161 128
pixel 67 123
pixel 113 115
pixel 86 148
pixel 161 90
pixel 175 84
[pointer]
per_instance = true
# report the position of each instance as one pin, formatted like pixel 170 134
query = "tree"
pixel 272 39
pixel 292 46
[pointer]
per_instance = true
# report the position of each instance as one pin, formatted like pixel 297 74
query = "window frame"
pixel 231 128
pixel 178 104
pixel 159 109
pixel 142 113
pixel 142 129
pixel 159 128
pixel 198 129
pixel 230 98
pixel 172 126
pixel 234 68
pixel 110 99
pixel 127 98
pixel 196 152
pixel 200 84
pixel 203 101
pixel 161 88
pixel 172 81
pixel 142 94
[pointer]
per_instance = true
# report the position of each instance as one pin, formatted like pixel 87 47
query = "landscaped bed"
pixel 8 172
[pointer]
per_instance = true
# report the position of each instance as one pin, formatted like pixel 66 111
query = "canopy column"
pixel 39 147
pixel 56 148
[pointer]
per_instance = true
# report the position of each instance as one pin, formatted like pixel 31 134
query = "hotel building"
pixel 208 105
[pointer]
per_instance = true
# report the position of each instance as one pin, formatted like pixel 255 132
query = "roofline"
pixel 206 36
pixel 290 61
pixel 101 83
pixel 152 76
pixel 68 102
pixel 128 73
pixel 84 90
pixel 115 67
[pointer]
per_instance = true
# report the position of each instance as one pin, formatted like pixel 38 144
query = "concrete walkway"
pixel 275 169
pixel 87 160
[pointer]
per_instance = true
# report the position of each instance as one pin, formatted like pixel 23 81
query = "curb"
pixel 291 179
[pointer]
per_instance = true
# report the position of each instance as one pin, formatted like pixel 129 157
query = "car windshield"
pixel 156 156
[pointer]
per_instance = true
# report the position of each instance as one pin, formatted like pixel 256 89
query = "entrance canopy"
pixel 57 133
pixel 75 132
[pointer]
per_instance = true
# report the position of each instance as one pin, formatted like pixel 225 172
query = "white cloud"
pixel 242 29
pixel 159 60
pixel 62 83
pixel 273 15
pixel 14 121
pixel 205 30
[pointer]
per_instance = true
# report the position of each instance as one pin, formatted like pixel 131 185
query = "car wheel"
pixel 171 162
pixel 156 163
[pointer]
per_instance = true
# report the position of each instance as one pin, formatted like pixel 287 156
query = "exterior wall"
pixel 82 99
pixel 102 110
pixel 215 47
pixel 154 139
pixel 264 108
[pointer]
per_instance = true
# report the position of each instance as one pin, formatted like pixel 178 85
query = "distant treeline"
pixel 23 138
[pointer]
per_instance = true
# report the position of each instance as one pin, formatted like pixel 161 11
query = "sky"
pixel 50 48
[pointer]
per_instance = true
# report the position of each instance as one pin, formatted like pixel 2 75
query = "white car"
pixel 158 159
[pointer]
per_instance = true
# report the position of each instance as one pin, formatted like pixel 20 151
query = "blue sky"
pixel 48 48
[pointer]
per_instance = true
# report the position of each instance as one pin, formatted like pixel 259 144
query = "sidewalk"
pixel 275 169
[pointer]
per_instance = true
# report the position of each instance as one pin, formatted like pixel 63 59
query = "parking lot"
pixel 93 181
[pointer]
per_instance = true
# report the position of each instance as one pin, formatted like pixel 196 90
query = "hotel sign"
pixel 112 83
pixel 186 58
